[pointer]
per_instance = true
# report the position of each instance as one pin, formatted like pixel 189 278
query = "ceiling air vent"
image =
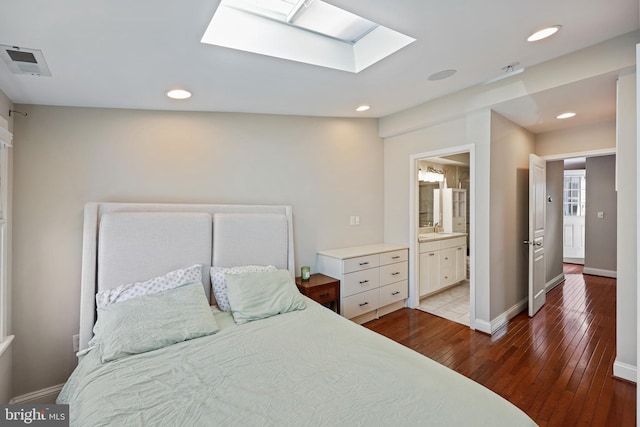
pixel 21 60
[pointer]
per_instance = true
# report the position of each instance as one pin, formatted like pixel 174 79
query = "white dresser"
pixel 373 279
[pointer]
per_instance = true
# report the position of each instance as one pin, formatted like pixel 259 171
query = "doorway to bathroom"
pixel 442 208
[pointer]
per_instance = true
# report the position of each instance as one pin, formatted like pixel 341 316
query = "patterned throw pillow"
pixel 219 282
pixel 170 280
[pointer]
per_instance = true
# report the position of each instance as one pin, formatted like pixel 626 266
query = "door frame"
pixel 588 153
pixel 414 252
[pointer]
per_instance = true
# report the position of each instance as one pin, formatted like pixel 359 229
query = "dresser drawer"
pixel 361 303
pixel 394 293
pixel 323 295
pixel 392 257
pixel 361 263
pixel 360 281
pixel 394 272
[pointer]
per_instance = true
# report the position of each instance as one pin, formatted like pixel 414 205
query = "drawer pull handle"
pixel 395 257
pixel 459 249
pixel 363 304
pixel 362 282
pixel 395 293
pixel 395 274
pixel 446 258
pixel 364 263
pixel 432 254
pixel 324 295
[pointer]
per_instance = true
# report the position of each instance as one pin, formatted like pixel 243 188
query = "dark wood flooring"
pixel 557 366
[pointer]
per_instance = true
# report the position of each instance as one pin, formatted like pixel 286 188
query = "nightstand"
pixel 322 289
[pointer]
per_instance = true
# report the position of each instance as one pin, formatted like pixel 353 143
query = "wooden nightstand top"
pixel 315 279
pixel 322 289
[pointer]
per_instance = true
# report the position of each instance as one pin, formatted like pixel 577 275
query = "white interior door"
pixel 574 192
pixel 537 208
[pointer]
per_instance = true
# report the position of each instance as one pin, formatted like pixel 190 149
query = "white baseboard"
pixel 497 323
pixel 574 260
pixel 600 272
pixel 504 318
pixel 625 371
pixel 554 282
pixel 483 326
pixel 46 395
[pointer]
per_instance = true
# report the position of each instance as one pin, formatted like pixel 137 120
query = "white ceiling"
pixel 126 54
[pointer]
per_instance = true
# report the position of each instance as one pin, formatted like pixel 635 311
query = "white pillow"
pixel 171 280
pixel 219 281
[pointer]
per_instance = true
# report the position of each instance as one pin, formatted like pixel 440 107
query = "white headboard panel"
pixel 136 246
pixel 250 239
pixel 127 242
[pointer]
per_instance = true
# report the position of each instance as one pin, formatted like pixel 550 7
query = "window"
pixel 574 192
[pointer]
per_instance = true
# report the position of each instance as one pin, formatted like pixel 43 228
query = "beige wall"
pixel 471 132
pixel 553 248
pixel 592 138
pixel 600 233
pixel 326 168
pixel 438 123
pixel 509 226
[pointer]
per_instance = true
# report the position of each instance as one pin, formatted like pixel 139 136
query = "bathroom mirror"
pixel 426 203
pixel 436 173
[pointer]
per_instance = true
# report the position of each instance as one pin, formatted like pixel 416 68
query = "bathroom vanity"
pixel 443 261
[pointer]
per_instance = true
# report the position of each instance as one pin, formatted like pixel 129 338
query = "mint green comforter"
pixel 304 368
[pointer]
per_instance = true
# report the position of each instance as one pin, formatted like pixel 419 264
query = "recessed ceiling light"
pixel 544 33
pixel 441 75
pixel 362 108
pixel 179 94
pixel 565 115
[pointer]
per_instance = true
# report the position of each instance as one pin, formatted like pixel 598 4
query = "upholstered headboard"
pixel 129 242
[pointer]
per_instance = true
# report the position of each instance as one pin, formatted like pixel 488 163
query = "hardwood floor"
pixel 557 366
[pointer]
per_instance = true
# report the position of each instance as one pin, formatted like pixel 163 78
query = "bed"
pixel 155 353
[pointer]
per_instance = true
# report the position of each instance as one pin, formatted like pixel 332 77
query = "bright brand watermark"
pixel 34 415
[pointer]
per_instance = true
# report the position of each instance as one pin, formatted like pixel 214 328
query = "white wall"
pixel 627 276
pixel 6 364
pixel 326 168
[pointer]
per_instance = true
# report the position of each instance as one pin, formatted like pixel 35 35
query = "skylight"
pixel 310 31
